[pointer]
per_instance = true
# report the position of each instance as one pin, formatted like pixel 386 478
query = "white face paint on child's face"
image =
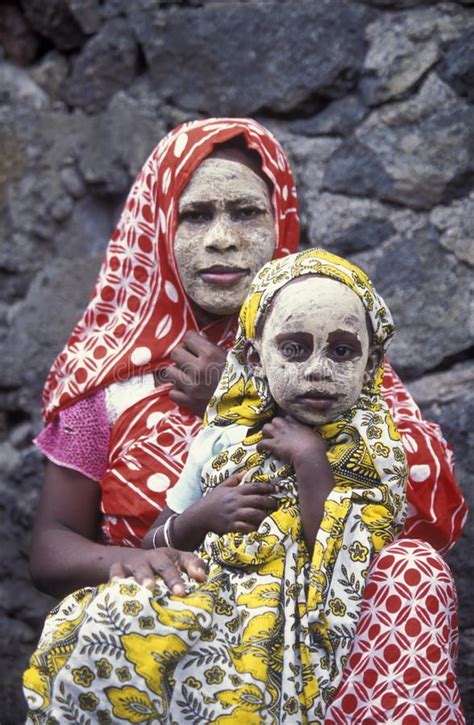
pixel 314 349
pixel 226 232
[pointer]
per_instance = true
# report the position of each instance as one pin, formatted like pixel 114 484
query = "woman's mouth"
pixel 222 275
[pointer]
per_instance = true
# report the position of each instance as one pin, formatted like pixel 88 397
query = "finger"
pixel 197 343
pixel 266 444
pixel 257 488
pixel 182 357
pixel 268 430
pixel 167 567
pixel 234 480
pixel 243 527
pixel 252 516
pixel 143 574
pixel 180 378
pixel 279 422
pixel 262 503
pixel 117 571
pixel 181 398
pixel 192 565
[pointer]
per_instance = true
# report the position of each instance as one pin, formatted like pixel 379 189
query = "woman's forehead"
pixel 217 178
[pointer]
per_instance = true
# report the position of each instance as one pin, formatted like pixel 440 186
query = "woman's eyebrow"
pixel 193 205
pixel 254 199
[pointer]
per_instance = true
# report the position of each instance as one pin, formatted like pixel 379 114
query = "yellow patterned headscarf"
pixel 243 399
pixel 367 506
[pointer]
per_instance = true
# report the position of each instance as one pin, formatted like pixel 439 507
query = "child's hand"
pixel 230 507
pixel 292 441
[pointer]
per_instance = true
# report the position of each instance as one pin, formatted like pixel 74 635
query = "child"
pixel 299 412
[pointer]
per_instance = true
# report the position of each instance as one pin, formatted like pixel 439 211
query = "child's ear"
pixel 253 360
pixel 373 362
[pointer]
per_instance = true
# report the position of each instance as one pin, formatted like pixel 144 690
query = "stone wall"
pixel 373 102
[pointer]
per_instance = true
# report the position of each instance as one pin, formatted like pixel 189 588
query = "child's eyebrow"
pixel 351 319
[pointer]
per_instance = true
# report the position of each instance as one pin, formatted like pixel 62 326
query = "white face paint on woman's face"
pixel 226 232
pixel 314 349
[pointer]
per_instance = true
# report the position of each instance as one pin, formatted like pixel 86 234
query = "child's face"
pixel 314 349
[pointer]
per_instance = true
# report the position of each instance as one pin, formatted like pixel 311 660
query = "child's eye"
pixel 342 352
pixel 292 350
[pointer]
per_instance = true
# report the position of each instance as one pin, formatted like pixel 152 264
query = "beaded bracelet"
pixel 167 530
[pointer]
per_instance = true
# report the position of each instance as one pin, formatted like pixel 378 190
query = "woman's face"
pixel 225 233
pixel 315 349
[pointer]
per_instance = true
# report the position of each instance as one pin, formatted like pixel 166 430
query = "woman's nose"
pixel 222 236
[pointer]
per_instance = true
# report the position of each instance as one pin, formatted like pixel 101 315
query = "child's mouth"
pixel 317 401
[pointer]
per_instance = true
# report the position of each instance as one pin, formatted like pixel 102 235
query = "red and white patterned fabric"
pixel 437 510
pixel 139 312
pixel 401 668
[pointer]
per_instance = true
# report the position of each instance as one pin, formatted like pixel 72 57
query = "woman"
pixel 177 268
pixel 114 441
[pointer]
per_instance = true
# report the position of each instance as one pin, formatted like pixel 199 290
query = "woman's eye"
pixel 342 352
pixel 247 212
pixel 195 217
pixel 292 350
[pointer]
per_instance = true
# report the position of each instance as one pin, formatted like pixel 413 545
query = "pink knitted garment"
pixel 79 436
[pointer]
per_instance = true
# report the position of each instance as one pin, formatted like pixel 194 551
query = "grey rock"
pixel 9 458
pixel 346 226
pixel 356 169
pixel 12 160
pixel 119 142
pixel 87 14
pixel 456 224
pixel 107 63
pixel 428 293
pixel 54 21
pixel 36 334
pixel 457 65
pixel 19 43
pixel 418 165
pixel 73 181
pixel 18 89
pixel 402 48
pixel 396 4
pixel 50 73
pixel 88 229
pixel 339 118
pixel 21 435
pixel 405 45
pixel 248 69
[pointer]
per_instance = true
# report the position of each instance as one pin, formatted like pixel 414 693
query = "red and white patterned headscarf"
pixel 139 310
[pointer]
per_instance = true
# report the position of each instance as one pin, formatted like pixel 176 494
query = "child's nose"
pixel 318 368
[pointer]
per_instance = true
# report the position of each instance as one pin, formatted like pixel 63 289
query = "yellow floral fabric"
pixel 265 638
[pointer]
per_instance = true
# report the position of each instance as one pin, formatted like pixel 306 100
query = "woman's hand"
pixel 145 565
pixel 292 441
pixel 198 366
pixel 232 507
